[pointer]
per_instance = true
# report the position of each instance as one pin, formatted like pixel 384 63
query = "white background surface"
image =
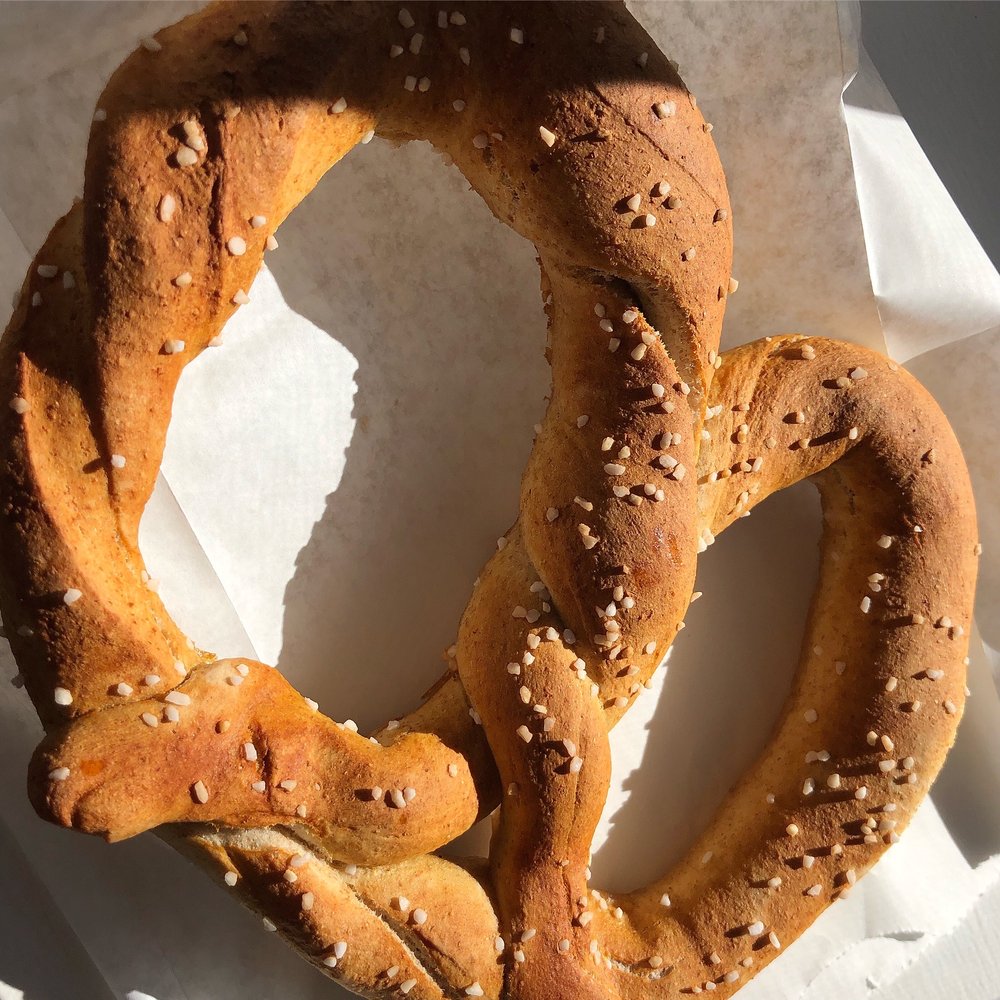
pixel 360 438
pixel 938 60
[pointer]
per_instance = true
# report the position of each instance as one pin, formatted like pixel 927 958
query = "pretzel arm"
pixel 274 760
pixel 608 496
pixel 424 928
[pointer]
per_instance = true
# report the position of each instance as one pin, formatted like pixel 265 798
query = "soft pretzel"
pixel 652 445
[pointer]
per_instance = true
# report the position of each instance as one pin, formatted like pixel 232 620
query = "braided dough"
pixel 652 445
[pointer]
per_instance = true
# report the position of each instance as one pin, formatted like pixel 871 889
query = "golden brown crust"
pixel 650 448
pixel 428 921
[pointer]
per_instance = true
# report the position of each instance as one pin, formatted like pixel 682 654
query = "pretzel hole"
pixel 733 703
pixel 390 506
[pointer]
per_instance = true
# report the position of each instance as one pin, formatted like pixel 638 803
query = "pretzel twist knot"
pixel 651 447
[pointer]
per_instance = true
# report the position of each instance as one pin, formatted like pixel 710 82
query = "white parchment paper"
pixel 338 472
